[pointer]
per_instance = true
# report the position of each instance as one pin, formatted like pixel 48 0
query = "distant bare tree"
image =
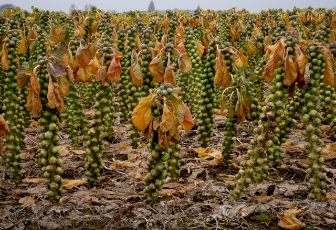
pixel 5 6
pixel 72 7
pixel 88 7
pixel 151 7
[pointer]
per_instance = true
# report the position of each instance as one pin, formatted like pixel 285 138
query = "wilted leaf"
pixel 22 78
pixel 142 113
pixel 54 96
pixel 188 122
pixel 70 73
pixel 114 70
pixel 83 56
pixel 64 85
pixel 180 48
pixel 169 76
pixel 4 58
pixel 263 198
pixel 4 130
pixel 163 138
pixel 157 69
pixel 291 71
pixel 184 63
pixel 167 119
pixel 84 74
pixel 222 77
pixel 288 219
pixel 33 180
pixel 239 59
pixel 137 41
pixel 274 53
pixel 22 47
pixel 328 78
pixel 208 153
pixel 194 22
pixel 28 200
pixel 60 55
pixel 55 69
pixel 70 184
pixel 126 164
pixel 56 34
pixel 200 48
pixel 250 48
pixel 136 74
pixel 34 103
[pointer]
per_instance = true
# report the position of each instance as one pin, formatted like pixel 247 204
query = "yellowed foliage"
pixel 70 184
pixel 288 219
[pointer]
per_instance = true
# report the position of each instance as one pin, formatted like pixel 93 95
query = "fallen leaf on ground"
pixel 221 112
pixel 125 146
pixel 208 153
pixel 127 164
pixel 329 152
pixel 78 152
pixel 263 198
pixel 33 181
pixel 226 177
pixel 69 184
pixel 167 192
pixel 35 123
pixel 27 200
pixel 330 196
pixel 288 218
pixel 287 143
pixel 64 150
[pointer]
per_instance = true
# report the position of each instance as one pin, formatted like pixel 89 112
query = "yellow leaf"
pixel 32 180
pixel 291 71
pixel 54 96
pixel 184 63
pixel 222 77
pixel 35 123
pixel 4 130
pixel 28 200
pixel 157 69
pixel 208 153
pixel 70 184
pixel 167 119
pixel 4 58
pixel 200 48
pixel 220 112
pixel 22 48
pixel 125 146
pixel 250 48
pixel 142 113
pixel 288 219
pixel 287 143
pixel 239 59
pixel 169 76
pixel 328 78
pixel 187 122
pixel 126 164
pixel 273 54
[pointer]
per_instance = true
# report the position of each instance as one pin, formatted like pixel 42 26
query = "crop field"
pixel 168 120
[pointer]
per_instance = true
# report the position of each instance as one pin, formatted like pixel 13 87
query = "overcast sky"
pixel 126 5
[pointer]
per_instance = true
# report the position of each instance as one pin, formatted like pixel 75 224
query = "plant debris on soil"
pixel 199 200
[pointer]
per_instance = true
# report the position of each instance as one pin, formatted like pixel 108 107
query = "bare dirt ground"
pixel 198 201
